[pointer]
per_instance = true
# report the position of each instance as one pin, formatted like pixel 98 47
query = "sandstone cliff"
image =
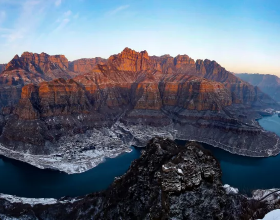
pixel 85 65
pixel 30 68
pixel 242 92
pixel 35 68
pixel 200 100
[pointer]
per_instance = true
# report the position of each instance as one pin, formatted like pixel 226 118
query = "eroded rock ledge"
pixel 166 182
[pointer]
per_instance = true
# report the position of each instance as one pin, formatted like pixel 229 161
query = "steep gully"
pixel 70 116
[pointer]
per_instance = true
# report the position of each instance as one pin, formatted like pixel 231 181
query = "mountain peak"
pixel 34 68
pixel 129 52
pixel 130 60
pixel 16 57
pixel 127 49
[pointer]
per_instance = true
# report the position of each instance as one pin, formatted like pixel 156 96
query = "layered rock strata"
pixel 129 99
pixel 35 68
pixel 30 68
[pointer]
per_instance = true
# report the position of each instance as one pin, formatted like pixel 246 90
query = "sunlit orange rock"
pixel 128 80
pixel 85 65
pixel 35 68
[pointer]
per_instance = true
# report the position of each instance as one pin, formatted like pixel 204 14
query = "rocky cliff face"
pixel 35 68
pixel 131 80
pixel 270 84
pixel 242 92
pixel 85 65
pixel 30 68
pixel 133 91
pixel 166 182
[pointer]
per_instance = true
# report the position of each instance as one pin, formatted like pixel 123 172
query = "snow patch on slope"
pixel 34 201
pixel 230 190
pixel 273 215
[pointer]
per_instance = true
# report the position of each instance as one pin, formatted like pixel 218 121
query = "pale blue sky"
pixel 241 35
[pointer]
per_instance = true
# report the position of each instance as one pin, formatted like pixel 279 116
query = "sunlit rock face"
pixel 30 68
pixel 167 182
pixel 85 65
pixel 35 68
pixel 133 95
pixel 152 81
pixel 129 80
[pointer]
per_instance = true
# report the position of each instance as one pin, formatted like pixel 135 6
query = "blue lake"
pixel 21 179
pixel 245 173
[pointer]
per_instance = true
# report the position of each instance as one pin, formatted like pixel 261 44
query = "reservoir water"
pixel 245 173
pixel 21 179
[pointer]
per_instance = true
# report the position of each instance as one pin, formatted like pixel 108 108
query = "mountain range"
pixel 70 115
pixel 270 84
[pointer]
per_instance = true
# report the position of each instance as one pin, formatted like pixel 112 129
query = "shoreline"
pixel 79 166
pixel 72 167
pixel 82 152
pixel 37 201
pixel 87 160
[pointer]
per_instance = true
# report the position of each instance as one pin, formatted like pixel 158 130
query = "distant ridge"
pixel 2 67
pixel 270 84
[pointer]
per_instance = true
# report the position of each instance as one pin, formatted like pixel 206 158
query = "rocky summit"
pixel 167 182
pixel 35 68
pixel 98 108
pixel 30 68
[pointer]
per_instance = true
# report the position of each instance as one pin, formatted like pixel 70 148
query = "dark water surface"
pixel 21 179
pixel 245 173
pixel 248 173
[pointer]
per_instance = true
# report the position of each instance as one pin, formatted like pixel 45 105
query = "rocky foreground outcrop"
pixel 166 182
pixel 124 101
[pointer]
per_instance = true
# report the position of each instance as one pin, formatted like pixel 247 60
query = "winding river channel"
pixel 21 179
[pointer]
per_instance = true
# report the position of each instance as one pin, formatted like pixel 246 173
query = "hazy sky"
pixel 241 35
